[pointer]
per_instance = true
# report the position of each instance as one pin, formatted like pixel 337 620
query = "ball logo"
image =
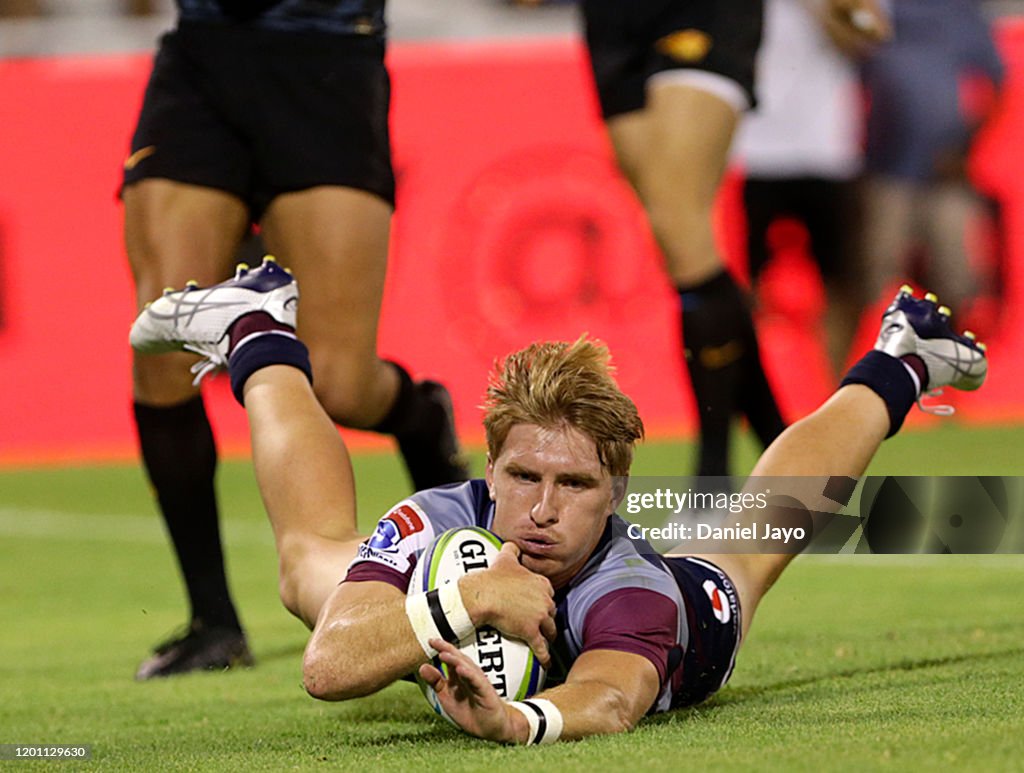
pixel 472 555
pixel 491 657
pixel 719 601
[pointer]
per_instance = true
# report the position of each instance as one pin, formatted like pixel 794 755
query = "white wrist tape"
pixel 544 719
pixel 438 614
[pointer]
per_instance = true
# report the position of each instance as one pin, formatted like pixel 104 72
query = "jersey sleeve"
pixel 391 552
pixel 636 620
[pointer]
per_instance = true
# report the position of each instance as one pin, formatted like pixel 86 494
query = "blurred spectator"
pixel 930 90
pixel 801 152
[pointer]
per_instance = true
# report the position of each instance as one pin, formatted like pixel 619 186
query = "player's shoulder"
pixel 622 563
pixel 457 504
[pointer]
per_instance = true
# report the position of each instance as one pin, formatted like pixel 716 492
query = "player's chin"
pixel 545 564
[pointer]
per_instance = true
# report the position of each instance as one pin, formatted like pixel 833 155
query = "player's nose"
pixel 545 508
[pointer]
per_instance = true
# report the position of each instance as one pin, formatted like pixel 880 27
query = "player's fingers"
pixel 432 677
pixel 442 646
pixel 472 679
pixel 539 645
pixel 512 549
pixel 548 587
pixel 548 628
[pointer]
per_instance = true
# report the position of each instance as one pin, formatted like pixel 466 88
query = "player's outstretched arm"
pixel 361 643
pixel 606 692
pixel 364 640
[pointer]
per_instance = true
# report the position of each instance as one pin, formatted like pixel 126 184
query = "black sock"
pixel 725 368
pixel 180 457
pixel 756 399
pixel 421 422
pixel 403 416
pixel 888 378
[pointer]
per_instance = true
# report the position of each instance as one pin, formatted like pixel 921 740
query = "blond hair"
pixel 556 384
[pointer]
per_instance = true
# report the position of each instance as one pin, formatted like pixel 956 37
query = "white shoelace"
pixel 934 410
pixel 212 362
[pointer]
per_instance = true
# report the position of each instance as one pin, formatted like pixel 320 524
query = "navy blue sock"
pixel 888 378
pixel 257 341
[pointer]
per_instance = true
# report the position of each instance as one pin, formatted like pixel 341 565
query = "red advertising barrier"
pixel 512 225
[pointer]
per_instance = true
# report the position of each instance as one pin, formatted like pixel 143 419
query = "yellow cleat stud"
pixel 242 267
pixel 931 297
pixel 148 304
pixel 269 259
pixel 945 311
pixel 968 334
pixel 288 271
pixel 168 290
pixel 983 347
pixel 907 289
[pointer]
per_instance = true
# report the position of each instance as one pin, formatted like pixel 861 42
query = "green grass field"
pixel 859 663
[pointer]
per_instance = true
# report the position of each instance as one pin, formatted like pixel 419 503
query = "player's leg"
pixel 672 79
pixel 184 187
pixel 888 207
pixel 678 148
pixel 761 199
pixel 829 209
pixel 335 239
pixel 328 189
pixel 174 233
pixel 247 323
pixel 916 351
pixel 305 479
pixel 950 209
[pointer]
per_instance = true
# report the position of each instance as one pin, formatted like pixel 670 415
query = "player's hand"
pixel 511 598
pixel 467 697
pixel 856 26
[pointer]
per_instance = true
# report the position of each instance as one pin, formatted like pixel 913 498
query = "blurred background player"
pixel 274 113
pixel 801 153
pixel 930 89
pixel 672 79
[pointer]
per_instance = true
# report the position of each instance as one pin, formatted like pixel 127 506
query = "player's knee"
pixel 162 379
pixel 343 383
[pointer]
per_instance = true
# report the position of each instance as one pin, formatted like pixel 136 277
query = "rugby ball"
pixel 509 664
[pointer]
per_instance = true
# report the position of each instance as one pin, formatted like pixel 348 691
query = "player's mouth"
pixel 536 545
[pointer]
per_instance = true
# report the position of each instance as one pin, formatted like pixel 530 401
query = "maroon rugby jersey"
pixel 624 598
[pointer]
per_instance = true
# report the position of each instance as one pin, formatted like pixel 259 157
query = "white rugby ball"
pixel 509 664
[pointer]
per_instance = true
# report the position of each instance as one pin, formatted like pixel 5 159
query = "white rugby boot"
pixel 197 319
pixel 917 326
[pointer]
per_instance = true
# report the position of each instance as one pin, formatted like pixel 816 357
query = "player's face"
pixel 552 498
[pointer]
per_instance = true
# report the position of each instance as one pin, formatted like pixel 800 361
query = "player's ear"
pixel 489 476
pixel 619 485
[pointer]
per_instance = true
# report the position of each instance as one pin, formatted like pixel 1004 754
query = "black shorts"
pixel 258 113
pixel 631 40
pixel 828 210
pixel 713 616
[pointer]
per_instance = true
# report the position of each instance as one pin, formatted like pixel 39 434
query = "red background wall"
pixel 512 225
